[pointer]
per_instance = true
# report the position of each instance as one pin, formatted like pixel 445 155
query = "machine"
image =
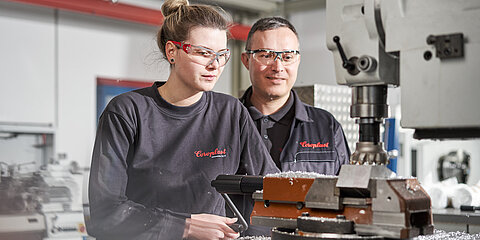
pixel 40 205
pixel 372 205
pixel 429 48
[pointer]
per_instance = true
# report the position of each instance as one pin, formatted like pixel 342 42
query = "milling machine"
pixel 430 48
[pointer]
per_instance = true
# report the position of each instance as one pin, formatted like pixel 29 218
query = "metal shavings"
pixel 442 235
pixel 254 238
pixel 322 219
pixel 298 174
pixel 437 235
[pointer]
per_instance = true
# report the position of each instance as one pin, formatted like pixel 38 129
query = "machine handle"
pixel 347 64
pixel 243 226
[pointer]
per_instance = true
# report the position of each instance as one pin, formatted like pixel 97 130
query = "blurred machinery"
pixel 40 204
pixel 20 202
pixel 454 164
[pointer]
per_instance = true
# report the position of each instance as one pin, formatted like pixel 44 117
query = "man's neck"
pixel 267 105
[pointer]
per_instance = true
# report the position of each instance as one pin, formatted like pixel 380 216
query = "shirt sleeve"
pixel 341 145
pixel 254 158
pixel 112 214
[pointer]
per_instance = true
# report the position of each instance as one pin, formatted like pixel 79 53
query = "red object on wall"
pixel 239 31
pixel 121 11
pixel 123 83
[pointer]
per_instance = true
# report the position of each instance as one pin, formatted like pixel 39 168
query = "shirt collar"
pixel 300 112
pixel 279 116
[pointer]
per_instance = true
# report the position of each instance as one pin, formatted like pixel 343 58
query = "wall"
pixel 316 65
pixel 88 47
pixel 27 66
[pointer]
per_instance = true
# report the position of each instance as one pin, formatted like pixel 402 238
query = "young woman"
pixel 158 148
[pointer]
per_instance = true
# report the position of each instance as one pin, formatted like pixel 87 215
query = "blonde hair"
pixel 180 18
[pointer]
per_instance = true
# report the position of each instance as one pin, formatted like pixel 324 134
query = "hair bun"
pixel 171 6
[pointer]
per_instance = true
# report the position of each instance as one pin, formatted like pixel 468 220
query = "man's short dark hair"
pixel 268 23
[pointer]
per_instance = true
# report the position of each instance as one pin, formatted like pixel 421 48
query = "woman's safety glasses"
pixel 267 57
pixel 204 56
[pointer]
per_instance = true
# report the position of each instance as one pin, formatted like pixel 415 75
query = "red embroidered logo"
pixel 214 154
pixel 314 145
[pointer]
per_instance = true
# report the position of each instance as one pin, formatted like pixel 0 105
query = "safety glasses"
pixel 267 57
pixel 202 55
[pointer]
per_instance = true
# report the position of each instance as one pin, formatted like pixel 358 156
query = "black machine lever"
pixel 237 184
pixel 243 226
pixel 348 64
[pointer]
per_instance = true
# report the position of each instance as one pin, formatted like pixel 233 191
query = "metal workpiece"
pixel 369 153
pixel 359 176
pixel 323 194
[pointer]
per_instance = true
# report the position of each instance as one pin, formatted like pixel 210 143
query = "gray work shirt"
pixel 315 140
pixel 275 128
pixel 153 162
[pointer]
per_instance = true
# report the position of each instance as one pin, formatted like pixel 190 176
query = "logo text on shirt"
pixel 213 154
pixel 314 145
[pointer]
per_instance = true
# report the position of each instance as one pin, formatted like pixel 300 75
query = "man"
pixel 299 137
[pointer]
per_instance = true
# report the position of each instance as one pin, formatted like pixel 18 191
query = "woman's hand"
pixel 209 226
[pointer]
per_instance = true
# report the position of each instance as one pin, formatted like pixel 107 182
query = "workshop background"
pixel 61 61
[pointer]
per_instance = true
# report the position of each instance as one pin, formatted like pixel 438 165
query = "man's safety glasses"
pixel 267 57
pixel 204 56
